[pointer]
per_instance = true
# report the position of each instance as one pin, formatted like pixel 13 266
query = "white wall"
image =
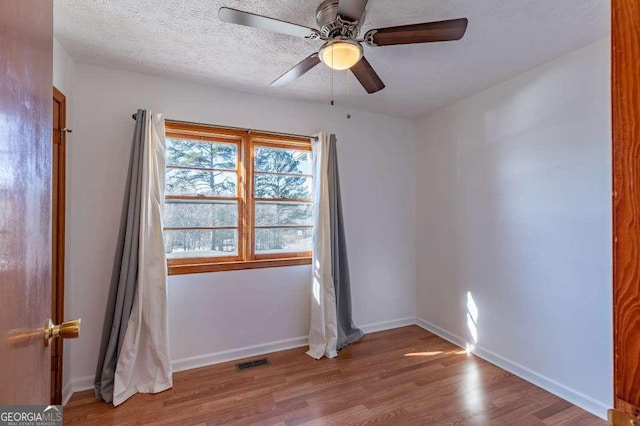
pixel 514 205
pixel 63 75
pixel 211 313
pixel 63 69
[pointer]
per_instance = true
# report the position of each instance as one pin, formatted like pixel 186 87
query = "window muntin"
pixel 202 198
pixel 236 199
pixel 282 188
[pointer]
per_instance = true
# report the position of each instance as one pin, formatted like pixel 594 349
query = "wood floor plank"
pixel 405 376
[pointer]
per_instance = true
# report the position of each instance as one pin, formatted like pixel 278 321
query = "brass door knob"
pixel 620 418
pixel 66 330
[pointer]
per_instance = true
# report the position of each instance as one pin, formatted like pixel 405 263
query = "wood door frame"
pixel 625 90
pixel 58 195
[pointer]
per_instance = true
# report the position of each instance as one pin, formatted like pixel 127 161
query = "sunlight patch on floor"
pixel 434 353
pixel 423 353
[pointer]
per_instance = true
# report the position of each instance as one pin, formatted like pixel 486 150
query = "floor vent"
pixel 252 364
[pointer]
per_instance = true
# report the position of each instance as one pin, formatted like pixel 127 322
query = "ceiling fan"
pixel 340 22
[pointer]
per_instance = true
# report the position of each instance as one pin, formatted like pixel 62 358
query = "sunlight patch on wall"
pixel 472 321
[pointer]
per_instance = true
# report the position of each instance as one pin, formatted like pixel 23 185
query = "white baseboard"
pixel 583 401
pixel 387 325
pixel 265 348
pixel 67 392
pixel 233 354
pixel 76 385
pixel 85 383
pixel 579 399
pixel 456 340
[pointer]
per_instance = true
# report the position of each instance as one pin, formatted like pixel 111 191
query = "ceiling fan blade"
pixel 351 10
pixel 294 73
pixel 427 32
pixel 367 76
pixel 239 17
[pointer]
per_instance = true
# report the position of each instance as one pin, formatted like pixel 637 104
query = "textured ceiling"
pixel 185 39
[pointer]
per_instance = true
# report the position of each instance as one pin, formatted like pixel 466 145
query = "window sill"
pixel 197 268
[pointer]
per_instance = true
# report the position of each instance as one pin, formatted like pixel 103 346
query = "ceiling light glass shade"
pixel 341 54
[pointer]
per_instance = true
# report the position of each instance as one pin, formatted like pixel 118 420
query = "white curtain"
pixel 323 333
pixel 144 363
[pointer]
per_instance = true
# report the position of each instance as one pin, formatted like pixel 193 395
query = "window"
pixel 236 199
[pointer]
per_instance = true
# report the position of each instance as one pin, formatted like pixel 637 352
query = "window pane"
pixel 275 186
pixel 273 214
pixel 193 214
pixel 194 182
pixel 283 240
pixel 201 154
pixel 276 160
pixel 213 243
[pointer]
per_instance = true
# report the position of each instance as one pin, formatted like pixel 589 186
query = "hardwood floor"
pixel 405 376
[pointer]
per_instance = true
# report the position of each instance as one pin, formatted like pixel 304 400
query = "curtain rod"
pixel 315 138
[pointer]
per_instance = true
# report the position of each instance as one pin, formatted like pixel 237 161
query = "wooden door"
pixel 26 43
pixel 57 238
pixel 625 39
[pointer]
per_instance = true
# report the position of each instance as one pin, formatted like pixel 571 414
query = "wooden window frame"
pixel 246 141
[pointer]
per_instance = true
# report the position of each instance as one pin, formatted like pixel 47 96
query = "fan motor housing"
pixel 327 12
pixel 331 25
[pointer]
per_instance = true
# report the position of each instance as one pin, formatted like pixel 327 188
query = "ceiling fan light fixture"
pixel 341 54
pixel 340 22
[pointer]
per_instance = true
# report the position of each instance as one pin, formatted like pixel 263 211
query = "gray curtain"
pixel 347 331
pixel 125 270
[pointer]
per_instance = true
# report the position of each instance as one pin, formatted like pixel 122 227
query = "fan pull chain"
pixel 348 95
pixel 332 72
